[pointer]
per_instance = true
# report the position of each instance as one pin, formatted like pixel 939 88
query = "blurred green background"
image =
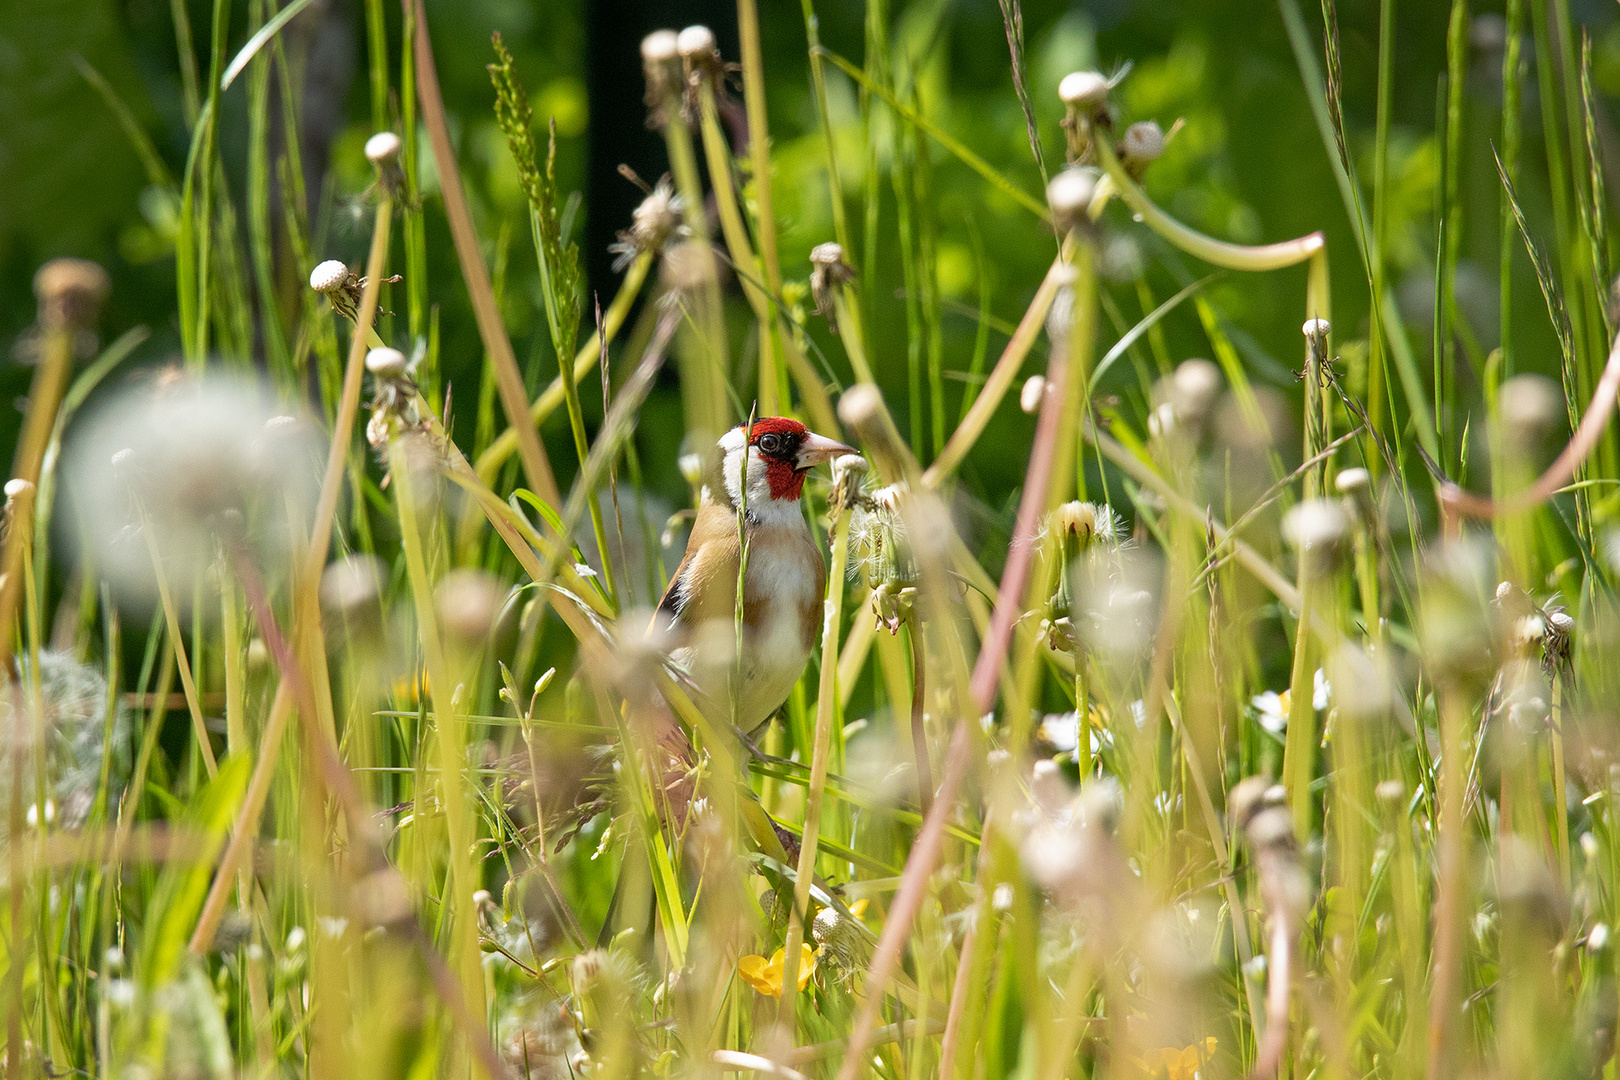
pixel 1249 164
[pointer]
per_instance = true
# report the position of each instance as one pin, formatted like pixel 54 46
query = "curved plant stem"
pixel 1219 252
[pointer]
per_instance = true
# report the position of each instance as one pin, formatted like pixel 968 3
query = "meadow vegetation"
pixel 1194 697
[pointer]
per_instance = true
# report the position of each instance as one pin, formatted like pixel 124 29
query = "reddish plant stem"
pixel 1456 503
pixel 930 842
pixel 508 377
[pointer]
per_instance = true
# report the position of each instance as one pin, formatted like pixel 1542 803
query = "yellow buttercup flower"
pixel 1172 1064
pixel 765 975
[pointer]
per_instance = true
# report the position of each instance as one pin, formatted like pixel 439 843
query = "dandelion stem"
pixel 826 713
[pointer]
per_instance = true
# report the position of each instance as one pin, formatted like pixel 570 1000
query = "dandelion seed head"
pixel 191 468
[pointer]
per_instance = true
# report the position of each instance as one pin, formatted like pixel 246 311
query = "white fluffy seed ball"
pixel 383 147
pixel 1084 89
pixel 385 363
pixel 328 275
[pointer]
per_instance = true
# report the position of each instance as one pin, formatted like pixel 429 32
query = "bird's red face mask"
pixel 789 450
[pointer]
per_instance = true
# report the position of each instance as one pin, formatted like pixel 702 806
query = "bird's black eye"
pixel 770 443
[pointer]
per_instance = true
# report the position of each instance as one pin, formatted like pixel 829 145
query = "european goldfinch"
pixel 759 473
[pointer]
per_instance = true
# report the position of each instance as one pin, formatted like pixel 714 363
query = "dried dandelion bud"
pixel 70 293
pixel 700 51
pixel 860 405
pixel 849 473
pixel 1352 482
pixel 688 267
pixel 660 60
pixel 1086 524
pixel 1317 529
pixel 1559 644
pixel 1193 390
pixel 383 148
pixel 1530 408
pixel 1141 146
pixel 1029 398
pixel 352 590
pixel 1070 194
pixel 652 225
pixel 469 603
pixel 660 46
pixel 386 363
pixel 828 272
pixel 1086 90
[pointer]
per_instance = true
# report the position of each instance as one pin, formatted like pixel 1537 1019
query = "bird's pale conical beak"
pixel 818 448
